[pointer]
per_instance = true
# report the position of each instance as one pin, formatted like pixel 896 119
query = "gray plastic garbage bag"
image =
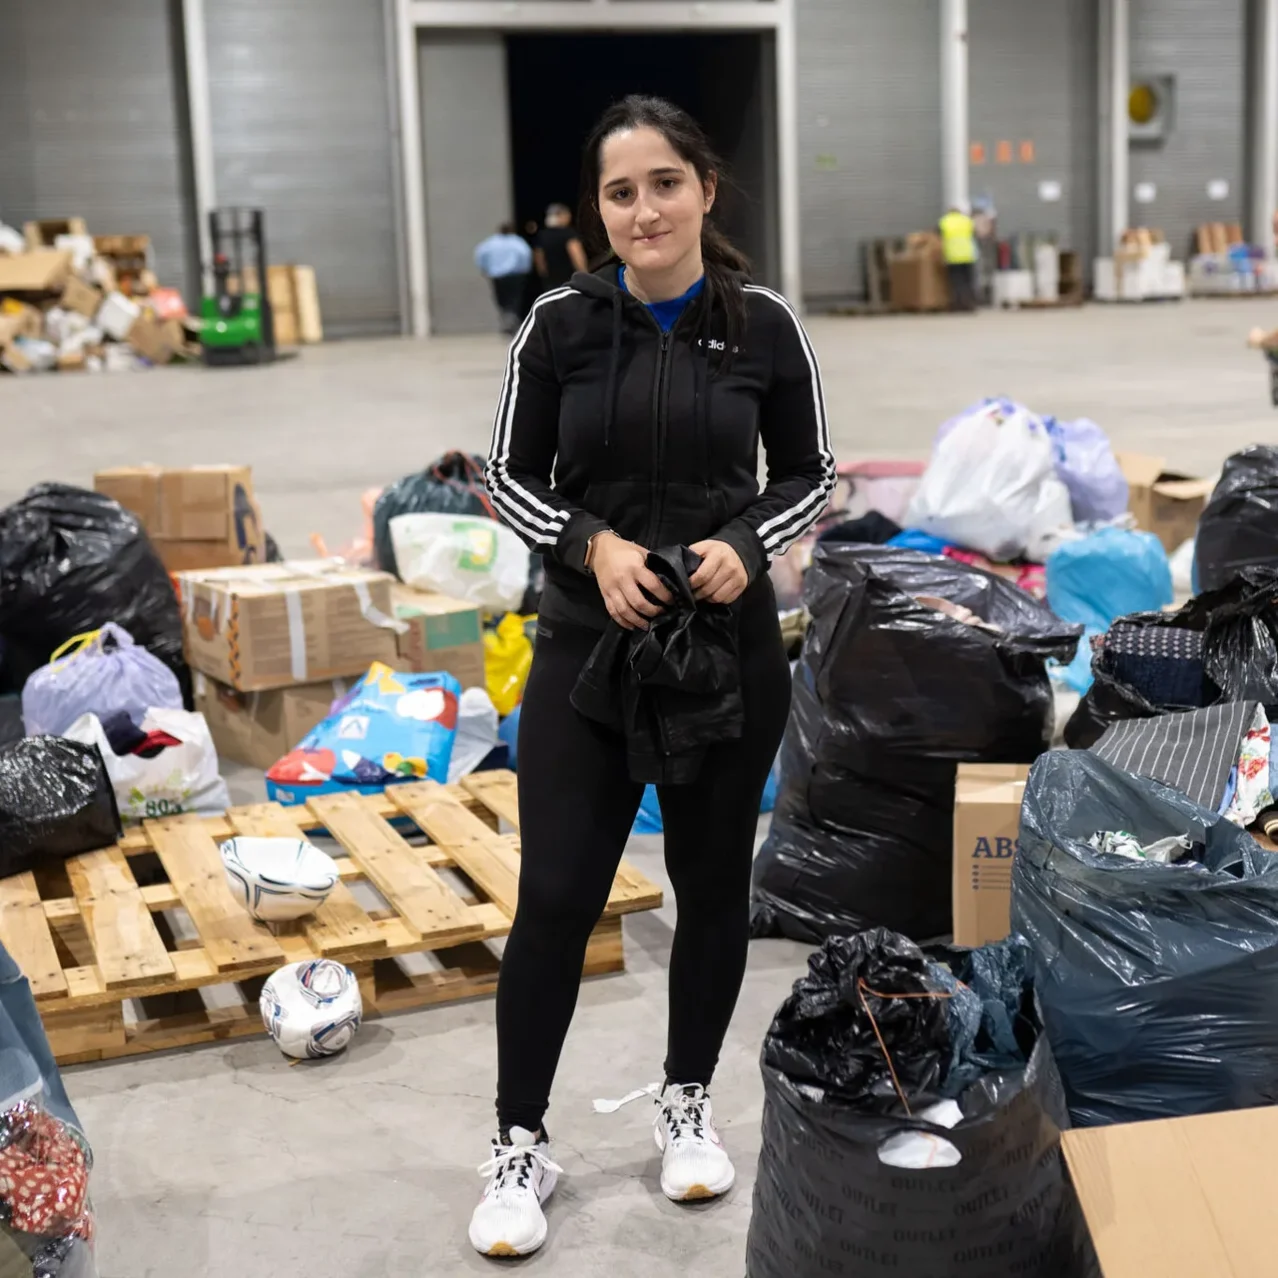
pixel 890 695
pixel 1158 983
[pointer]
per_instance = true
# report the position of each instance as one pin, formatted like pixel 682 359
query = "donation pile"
pixel 71 301
pixel 912 664
pixel 912 1119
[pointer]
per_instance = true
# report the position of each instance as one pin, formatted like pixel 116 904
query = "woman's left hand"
pixel 722 576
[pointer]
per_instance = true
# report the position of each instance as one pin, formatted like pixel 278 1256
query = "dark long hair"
pixel 724 263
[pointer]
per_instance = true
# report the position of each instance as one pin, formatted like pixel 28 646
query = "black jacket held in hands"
pixel 606 422
pixel 673 689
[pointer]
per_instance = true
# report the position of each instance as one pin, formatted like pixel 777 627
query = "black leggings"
pixel 576 806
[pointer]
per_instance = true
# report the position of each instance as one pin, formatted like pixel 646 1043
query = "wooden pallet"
pixel 141 946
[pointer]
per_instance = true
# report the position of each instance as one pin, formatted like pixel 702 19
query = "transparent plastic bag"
pixel 180 778
pixel 463 556
pixel 46 1218
pixel 102 672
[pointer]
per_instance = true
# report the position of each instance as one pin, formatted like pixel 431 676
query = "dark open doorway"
pixel 559 84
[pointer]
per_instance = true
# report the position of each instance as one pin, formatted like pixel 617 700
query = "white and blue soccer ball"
pixel 312 1009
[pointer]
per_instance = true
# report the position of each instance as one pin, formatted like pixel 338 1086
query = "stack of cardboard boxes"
pixel 1141 270
pixel 272 645
pixel 73 301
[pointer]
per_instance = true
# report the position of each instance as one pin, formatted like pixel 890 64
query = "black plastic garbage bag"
pixel 890 695
pixel 1158 983
pixel 451 485
pixel 56 801
pixel 1238 625
pixel 863 992
pixel 826 1202
pixel 1239 527
pixel 70 561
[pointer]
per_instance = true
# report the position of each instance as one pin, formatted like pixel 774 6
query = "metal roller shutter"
pixel 91 116
pixel 1032 79
pixel 869 131
pixel 300 103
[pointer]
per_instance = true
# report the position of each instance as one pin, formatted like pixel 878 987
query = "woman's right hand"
pixel 621 569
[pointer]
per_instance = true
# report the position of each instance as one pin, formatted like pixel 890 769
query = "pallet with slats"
pixel 141 946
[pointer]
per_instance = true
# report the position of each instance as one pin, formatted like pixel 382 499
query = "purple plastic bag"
pixel 1086 465
pixel 110 674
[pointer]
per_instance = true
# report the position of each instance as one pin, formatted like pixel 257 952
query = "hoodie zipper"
pixel 660 403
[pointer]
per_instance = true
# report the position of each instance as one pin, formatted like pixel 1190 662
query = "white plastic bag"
pixel 464 556
pixel 181 778
pixel 476 733
pixel 992 487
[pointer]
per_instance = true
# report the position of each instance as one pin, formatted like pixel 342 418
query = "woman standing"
pixel 634 402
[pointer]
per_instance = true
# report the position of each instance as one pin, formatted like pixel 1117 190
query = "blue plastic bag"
pixel 392 728
pixel 1086 465
pixel 1098 578
pixel 105 674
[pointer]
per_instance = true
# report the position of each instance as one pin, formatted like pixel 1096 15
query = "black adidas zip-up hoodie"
pixel 606 422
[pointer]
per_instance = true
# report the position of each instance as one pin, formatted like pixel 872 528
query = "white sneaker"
pixel 694 1163
pixel 509 1219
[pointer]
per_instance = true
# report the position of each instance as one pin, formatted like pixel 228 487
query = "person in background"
pixel 558 253
pixel 507 260
pixel 958 241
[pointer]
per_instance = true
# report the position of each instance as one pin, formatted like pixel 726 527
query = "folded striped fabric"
pixel 1192 752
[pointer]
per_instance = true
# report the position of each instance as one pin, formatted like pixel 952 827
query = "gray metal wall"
pixel 869 131
pixel 302 127
pixel 92 123
pixel 1203 46
pixel 466 158
pixel 1032 72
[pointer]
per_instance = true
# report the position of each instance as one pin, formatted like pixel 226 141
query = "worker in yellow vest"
pixel 958 241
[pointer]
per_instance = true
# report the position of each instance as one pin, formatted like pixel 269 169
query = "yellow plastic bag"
pixel 508 656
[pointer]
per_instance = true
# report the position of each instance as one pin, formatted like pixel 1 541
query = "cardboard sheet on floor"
pixel 1180 1197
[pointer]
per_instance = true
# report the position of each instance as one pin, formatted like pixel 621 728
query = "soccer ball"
pixel 312 1008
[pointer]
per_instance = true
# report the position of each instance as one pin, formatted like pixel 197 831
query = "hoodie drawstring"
pixel 702 376
pixel 614 366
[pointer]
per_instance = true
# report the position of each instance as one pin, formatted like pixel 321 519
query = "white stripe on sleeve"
pixel 528 514
pixel 781 531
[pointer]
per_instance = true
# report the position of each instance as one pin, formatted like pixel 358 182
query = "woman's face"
pixel 652 202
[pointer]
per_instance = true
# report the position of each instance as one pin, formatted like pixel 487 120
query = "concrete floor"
pixel 218 1162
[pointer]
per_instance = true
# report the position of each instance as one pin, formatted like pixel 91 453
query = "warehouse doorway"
pixel 559 84
pixel 503 117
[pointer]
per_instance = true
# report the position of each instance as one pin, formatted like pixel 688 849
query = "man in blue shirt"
pixel 506 259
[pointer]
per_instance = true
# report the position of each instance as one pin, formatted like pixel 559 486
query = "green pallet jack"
pixel 238 327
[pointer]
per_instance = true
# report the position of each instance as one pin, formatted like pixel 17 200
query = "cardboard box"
pixel 266 626
pixel 72 361
pixel 43 234
pixel 444 634
pixel 80 297
pixel 987 820
pixel 44 271
pixel 260 728
pixel 155 340
pixel 310 327
pixel 197 517
pixel 20 320
pixel 917 282
pixel 1211 1221
pixel 1163 502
